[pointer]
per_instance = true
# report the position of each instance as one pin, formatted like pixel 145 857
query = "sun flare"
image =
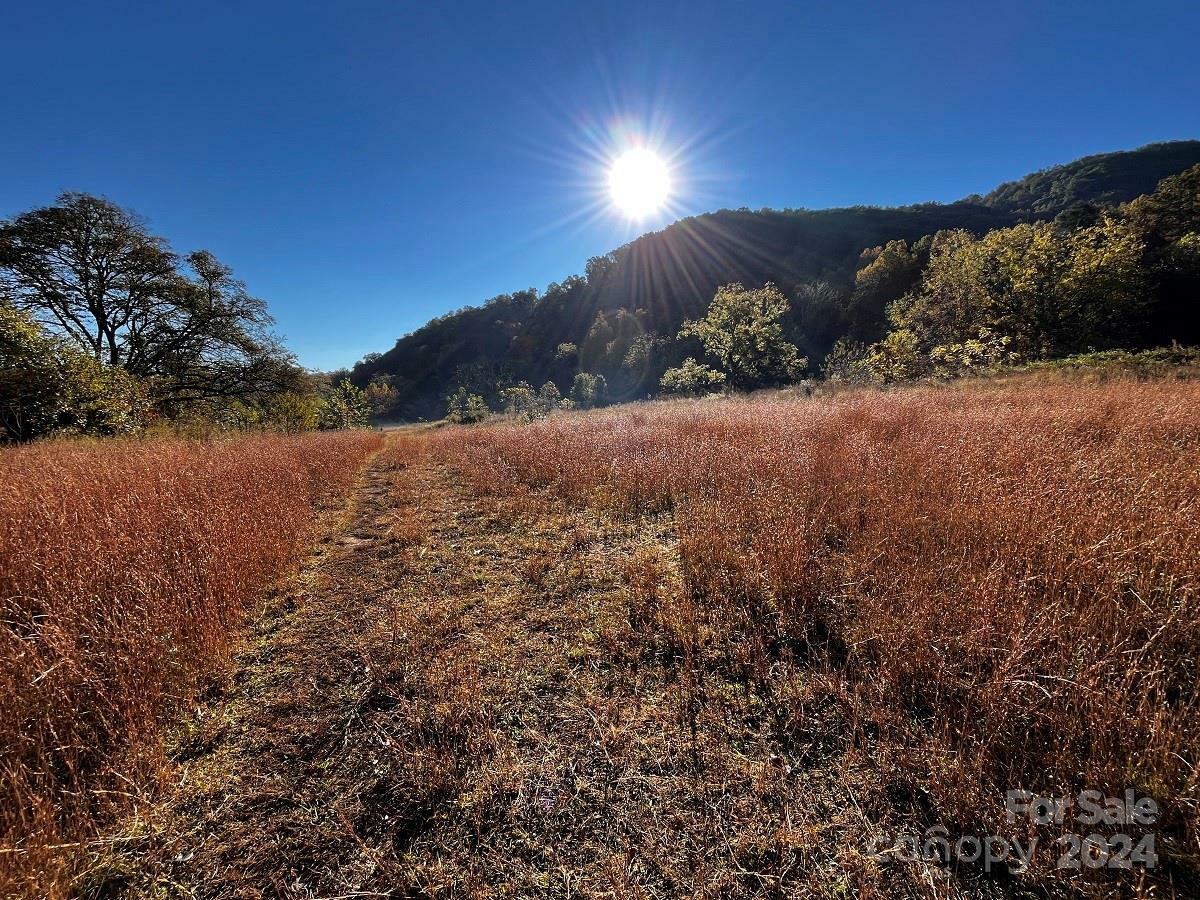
pixel 639 182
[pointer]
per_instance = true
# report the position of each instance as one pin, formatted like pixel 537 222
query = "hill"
pixel 621 317
pixel 1105 178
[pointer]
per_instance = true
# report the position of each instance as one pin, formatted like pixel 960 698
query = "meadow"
pixel 126 568
pixel 997 583
pixel 711 648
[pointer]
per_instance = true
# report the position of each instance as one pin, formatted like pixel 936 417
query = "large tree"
pixel 92 272
pixel 886 274
pixel 743 331
pixel 1170 220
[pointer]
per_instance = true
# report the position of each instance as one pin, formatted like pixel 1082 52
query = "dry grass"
pixel 124 567
pixel 423 719
pixel 998 585
pixel 712 649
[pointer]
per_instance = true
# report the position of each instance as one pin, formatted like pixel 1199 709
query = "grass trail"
pixel 448 701
pixel 482 688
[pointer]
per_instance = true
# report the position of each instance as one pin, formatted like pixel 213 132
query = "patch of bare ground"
pixel 486 697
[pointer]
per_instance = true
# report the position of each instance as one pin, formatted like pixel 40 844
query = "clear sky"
pixel 364 166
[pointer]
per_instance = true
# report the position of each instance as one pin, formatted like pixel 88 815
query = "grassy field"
pixel 995 586
pixel 126 569
pixel 713 648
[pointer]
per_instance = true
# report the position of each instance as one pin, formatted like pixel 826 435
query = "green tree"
pixel 743 331
pixel 589 390
pixel 979 355
pixel 549 396
pixel 1105 295
pixel 292 411
pixel 1170 212
pixel 953 299
pixel 48 385
pixel 381 395
pixel 819 311
pixel 846 362
pixel 464 408
pixel 1048 293
pixel 593 352
pixel 1169 220
pixel 885 275
pixel 522 401
pixel 898 357
pixel 93 273
pixel 345 406
pixel 692 377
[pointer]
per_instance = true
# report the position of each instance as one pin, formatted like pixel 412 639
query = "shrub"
pixel 463 407
pixel 692 377
pixel 47 385
pixel 847 362
pixel 521 401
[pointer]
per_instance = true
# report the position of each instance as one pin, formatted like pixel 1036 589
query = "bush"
pixel 692 377
pixel 1157 363
pixel 847 362
pixel 48 386
pixel 521 401
pixel 464 408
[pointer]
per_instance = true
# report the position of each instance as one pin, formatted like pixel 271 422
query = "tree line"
pixel 621 317
pixel 1091 279
pixel 105 329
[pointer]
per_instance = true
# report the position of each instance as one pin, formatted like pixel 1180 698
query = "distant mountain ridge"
pixel 1102 179
pixel 620 318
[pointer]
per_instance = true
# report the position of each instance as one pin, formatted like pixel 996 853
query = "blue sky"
pixel 364 166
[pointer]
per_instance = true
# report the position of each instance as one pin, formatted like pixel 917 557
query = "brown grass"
pixel 1000 583
pixel 704 649
pixel 124 567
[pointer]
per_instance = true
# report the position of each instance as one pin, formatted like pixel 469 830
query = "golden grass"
pixel 1002 579
pixel 124 569
pixel 703 648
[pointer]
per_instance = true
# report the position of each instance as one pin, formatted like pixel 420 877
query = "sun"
pixel 639 182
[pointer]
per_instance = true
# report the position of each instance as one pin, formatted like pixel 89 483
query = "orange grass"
pixel 1006 577
pixel 124 568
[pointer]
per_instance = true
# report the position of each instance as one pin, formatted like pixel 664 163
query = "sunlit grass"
pixel 125 567
pixel 1003 578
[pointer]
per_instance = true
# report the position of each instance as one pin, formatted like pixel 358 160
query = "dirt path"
pixel 450 701
pixel 414 688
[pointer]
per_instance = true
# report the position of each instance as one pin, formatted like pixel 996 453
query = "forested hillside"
pixel 621 318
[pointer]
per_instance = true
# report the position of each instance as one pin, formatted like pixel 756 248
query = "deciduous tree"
pixel 92 272
pixel 743 331
pixel 589 390
pixel 47 385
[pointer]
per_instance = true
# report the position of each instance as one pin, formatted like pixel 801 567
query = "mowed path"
pixel 429 709
pixel 449 701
